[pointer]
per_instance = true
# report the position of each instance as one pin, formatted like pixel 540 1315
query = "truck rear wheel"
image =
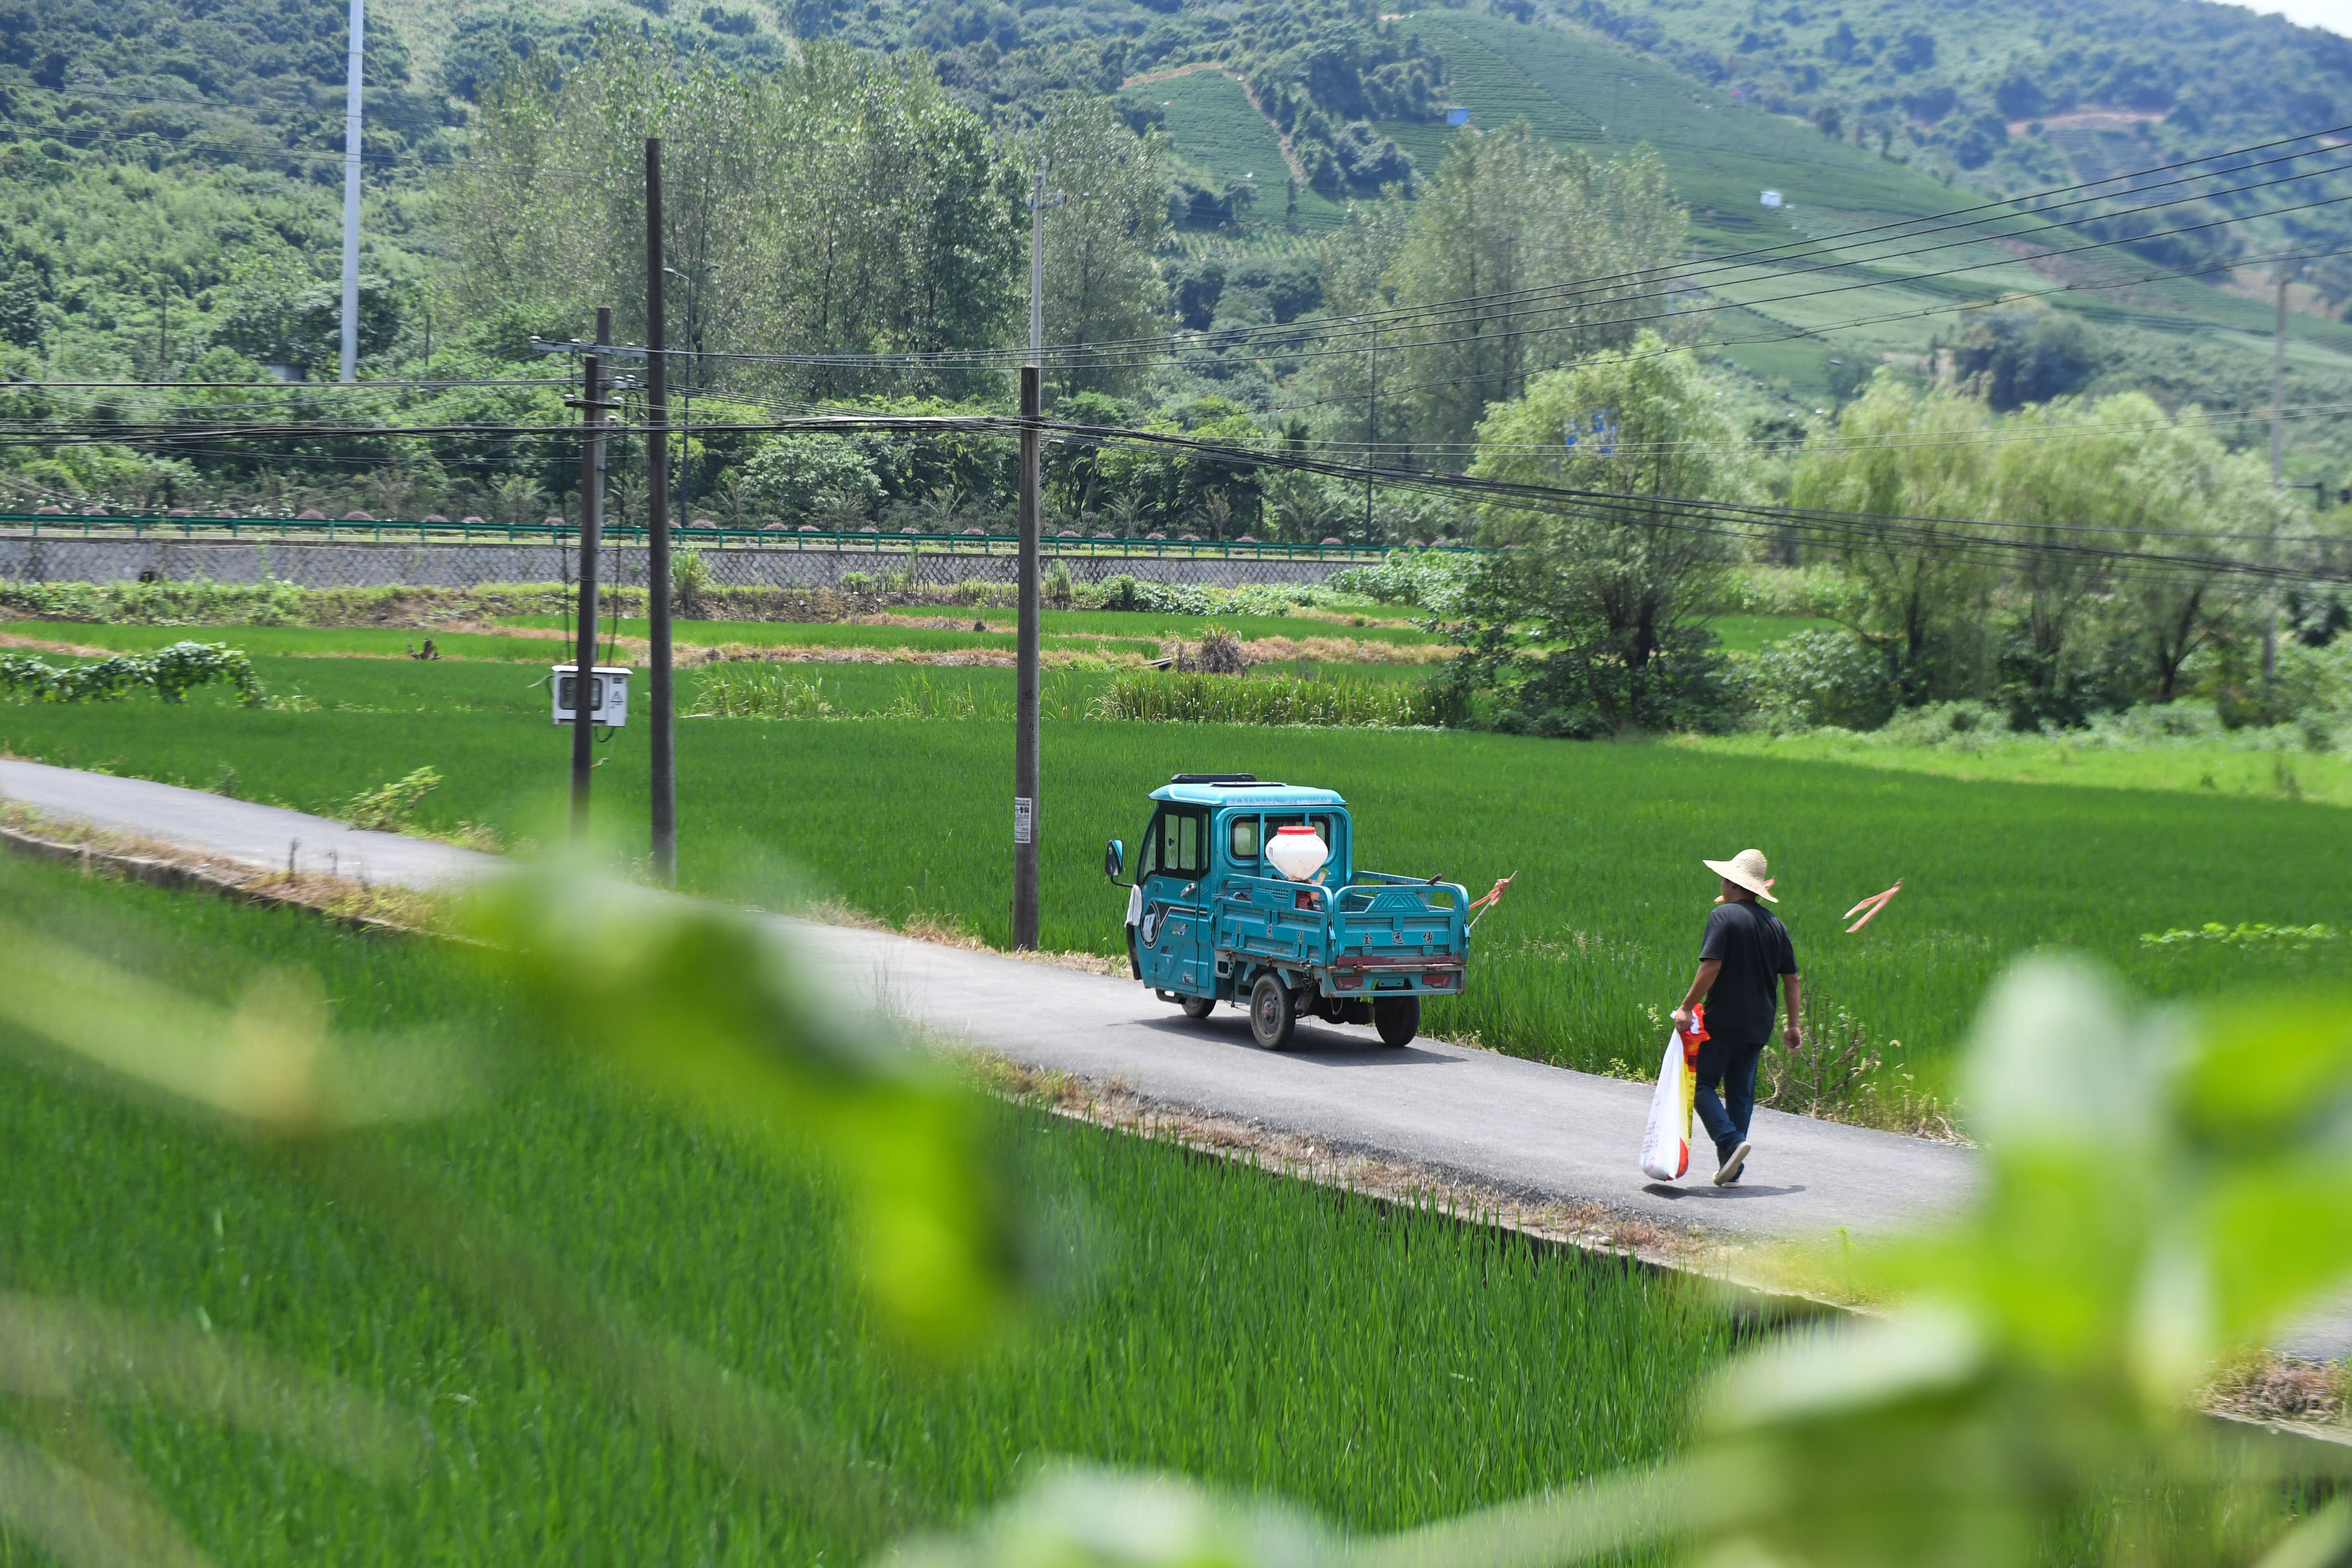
pixel 1196 1007
pixel 1398 1019
pixel 1273 1016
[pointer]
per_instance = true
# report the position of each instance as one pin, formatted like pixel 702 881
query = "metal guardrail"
pixel 384 530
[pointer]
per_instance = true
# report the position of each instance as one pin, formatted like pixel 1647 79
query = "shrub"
pixel 199 602
pixel 1820 678
pixel 387 807
pixel 1165 598
pixel 171 671
pixel 689 583
pixel 1428 580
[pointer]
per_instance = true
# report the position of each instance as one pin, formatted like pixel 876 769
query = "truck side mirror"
pixel 1114 859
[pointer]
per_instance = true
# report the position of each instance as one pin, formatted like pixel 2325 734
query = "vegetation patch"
pixel 1262 699
pixel 171 673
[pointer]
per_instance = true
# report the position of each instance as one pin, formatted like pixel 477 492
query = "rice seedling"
pixel 1383 1364
pixel 899 817
pixel 1192 699
pixel 756 692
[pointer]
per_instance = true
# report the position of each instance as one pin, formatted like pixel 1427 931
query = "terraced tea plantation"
pixel 1385 1367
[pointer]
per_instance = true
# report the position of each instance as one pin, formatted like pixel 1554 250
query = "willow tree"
pixel 1538 254
pixel 1898 460
pixel 2118 532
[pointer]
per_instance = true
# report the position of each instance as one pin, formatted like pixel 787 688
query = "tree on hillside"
pixel 1505 212
pixel 842 202
pixel 1100 283
pixel 1589 625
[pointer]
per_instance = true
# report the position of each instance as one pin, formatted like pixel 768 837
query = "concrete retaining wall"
pixel 453 564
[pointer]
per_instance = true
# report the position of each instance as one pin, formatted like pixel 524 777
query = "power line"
pixel 1115 350
pixel 1989 542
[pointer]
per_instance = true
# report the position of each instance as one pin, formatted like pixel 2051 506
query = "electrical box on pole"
pixel 607 695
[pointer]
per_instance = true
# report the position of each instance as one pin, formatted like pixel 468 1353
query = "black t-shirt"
pixel 1755 950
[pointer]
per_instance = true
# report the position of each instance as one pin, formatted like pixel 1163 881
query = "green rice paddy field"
pixel 1382 1367
pixel 907 816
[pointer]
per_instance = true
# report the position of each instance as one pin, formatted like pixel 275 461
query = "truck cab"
pixel 1212 917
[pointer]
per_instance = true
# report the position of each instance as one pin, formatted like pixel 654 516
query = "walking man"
pixel 1745 951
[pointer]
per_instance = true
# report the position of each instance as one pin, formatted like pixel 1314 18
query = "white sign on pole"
pixel 1024 819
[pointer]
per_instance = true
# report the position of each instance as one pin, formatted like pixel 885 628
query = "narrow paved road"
pixel 1542 1133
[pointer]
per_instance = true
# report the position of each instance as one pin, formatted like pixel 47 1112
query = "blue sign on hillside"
pixel 1601 439
pixel 1457 117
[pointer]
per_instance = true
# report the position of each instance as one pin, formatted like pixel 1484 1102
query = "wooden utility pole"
pixel 2278 471
pixel 1372 434
pixel 664 756
pixel 592 520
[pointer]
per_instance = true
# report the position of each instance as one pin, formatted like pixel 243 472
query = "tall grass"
pixel 757 691
pixel 1263 699
pixel 1382 1365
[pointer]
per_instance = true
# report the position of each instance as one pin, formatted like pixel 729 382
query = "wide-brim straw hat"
pixel 1746 869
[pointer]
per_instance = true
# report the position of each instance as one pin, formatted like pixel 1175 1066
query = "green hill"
pixel 2180 335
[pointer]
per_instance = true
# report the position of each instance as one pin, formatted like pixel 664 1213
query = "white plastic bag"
pixel 1666 1145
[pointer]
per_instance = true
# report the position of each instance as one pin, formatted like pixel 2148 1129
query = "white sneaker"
pixel 1729 1173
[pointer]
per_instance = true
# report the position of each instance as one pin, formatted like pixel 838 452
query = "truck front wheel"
pixel 1272 1015
pixel 1196 1007
pixel 1398 1019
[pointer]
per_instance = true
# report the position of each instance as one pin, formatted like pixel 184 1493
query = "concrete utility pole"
pixel 664 756
pixel 1024 701
pixel 1372 443
pixel 352 195
pixel 591 520
pixel 2278 470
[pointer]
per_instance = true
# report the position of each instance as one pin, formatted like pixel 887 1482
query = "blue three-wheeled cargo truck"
pixel 1247 891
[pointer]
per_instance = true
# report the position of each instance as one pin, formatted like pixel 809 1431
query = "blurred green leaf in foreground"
pixel 2164 1190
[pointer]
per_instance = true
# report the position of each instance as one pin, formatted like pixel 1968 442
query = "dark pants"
pixel 1726 1096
